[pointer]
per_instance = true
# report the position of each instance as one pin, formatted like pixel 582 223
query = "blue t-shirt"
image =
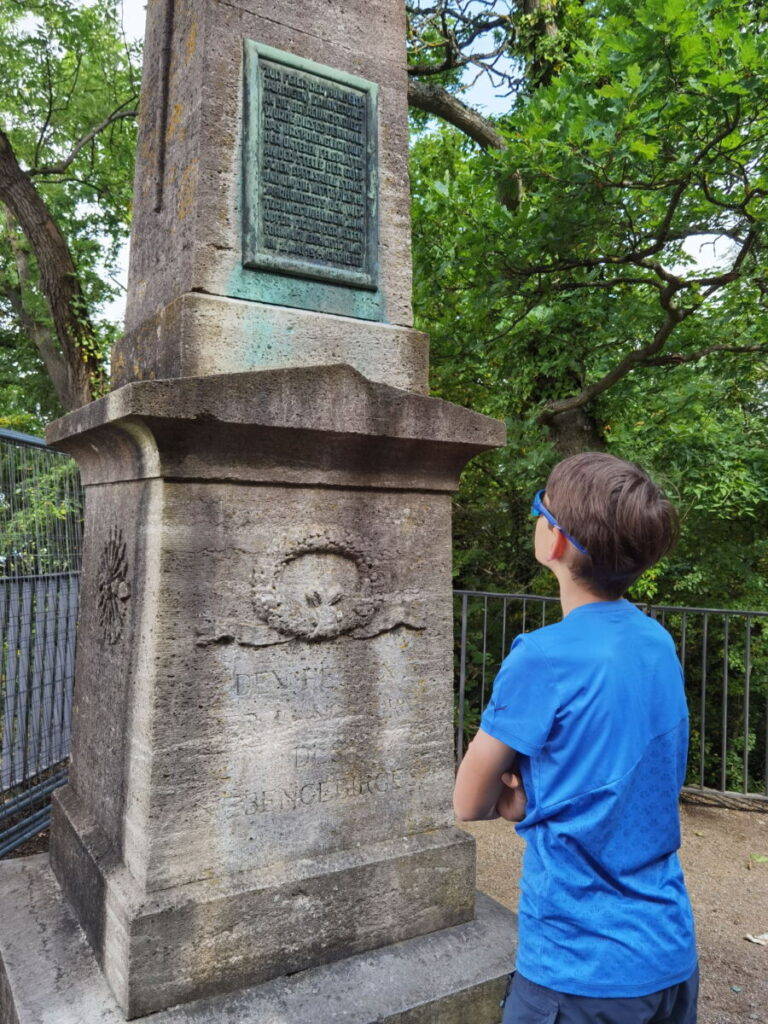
pixel 595 706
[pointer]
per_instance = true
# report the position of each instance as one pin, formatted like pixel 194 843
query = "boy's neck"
pixel 574 595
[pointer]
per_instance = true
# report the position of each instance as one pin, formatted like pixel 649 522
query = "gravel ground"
pixel 729 892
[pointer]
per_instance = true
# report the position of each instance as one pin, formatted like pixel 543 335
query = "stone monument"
pixel 258 821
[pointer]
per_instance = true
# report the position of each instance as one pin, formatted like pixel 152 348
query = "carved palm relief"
pixel 114 590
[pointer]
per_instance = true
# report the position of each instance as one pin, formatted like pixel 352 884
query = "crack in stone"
pixel 362 633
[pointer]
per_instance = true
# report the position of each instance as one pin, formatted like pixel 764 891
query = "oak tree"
pixel 67 139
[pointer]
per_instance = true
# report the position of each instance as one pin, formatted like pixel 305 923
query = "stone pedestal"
pixel 262 754
pixel 198 335
pixel 455 976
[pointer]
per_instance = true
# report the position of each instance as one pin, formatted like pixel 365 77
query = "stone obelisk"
pixel 258 821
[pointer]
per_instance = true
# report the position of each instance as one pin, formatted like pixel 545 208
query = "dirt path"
pixel 729 892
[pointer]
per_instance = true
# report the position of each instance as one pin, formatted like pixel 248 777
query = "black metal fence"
pixel 724 654
pixel 40 547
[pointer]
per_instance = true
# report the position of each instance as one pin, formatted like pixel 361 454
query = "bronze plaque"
pixel 310 193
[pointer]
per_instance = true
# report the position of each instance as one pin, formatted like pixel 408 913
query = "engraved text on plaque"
pixel 309 170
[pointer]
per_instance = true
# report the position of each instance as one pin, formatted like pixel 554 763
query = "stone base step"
pixel 48 974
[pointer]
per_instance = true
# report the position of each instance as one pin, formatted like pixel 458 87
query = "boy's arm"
pixel 479 785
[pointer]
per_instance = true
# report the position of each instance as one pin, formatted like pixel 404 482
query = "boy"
pixel 591 715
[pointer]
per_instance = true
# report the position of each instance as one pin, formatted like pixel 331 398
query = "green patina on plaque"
pixel 310 189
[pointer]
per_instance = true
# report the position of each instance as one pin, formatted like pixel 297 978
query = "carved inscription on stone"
pixel 318 694
pixel 310 197
pixel 114 589
pixel 355 783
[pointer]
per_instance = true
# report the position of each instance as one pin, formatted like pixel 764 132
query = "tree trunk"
pixel 58 281
pixel 541 69
pixel 40 333
pixel 573 432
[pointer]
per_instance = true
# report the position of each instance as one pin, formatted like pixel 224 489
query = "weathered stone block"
pixel 455 976
pixel 179 943
pixel 200 335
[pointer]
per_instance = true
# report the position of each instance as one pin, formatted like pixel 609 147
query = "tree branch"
pixel 61 167
pixel 449 64
pixel 666 275
pixel 647 356
pixel 673 316
pixel 42 337
pixel 49 112
pixel 662 231
pixel 612 282
pixel 484 61
pixel 638 257
pixel 458 55
pixel 435 100
pixel 717 281
pixel 676 359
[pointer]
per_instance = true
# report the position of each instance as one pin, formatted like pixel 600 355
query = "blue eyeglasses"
pixel 539 508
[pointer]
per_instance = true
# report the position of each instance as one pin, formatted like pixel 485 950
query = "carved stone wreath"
pixel 320 587
pixel 114 590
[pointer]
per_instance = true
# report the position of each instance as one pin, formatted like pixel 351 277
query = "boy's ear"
pixel 558 546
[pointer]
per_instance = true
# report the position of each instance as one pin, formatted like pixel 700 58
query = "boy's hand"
pixel 512 802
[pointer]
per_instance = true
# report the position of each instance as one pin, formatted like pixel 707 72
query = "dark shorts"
pixel 528 1003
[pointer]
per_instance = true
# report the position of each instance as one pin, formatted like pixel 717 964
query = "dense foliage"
pixel 569 297
pixel 41 510
pixel 67 139
pixel 559 272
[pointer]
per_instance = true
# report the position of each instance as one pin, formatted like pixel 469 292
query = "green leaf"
pixel 531 302
pixel 644 148
pixel 634 76
pixel 613 91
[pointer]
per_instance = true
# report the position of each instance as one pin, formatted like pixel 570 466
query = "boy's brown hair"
pixel 617 513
